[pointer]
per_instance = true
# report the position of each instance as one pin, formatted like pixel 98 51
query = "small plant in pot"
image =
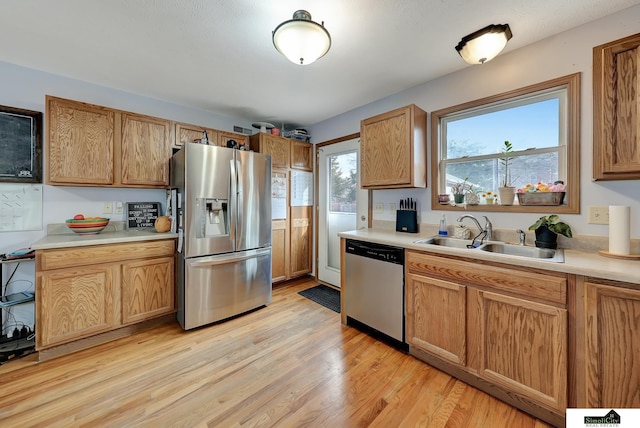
pixel 547 229
pixel 459 190
pixel 507 191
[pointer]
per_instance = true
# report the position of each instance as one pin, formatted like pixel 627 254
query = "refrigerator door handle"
pixel 221 260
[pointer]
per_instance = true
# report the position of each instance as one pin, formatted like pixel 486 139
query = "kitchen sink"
pixel 546 254
pixel 445 242
pixel 522 251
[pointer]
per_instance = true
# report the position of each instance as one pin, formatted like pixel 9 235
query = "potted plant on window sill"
pixel 459 190
pixel 547 229
pixel 507 191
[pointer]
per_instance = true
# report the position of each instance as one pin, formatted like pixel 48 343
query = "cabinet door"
pixel 521 345
pixel 386 150
pixel 277 147
pixel 612 346
pixel 301 155
pixel 279 250
pixel 240 139
pixel 146 150
pixel 185 133
pixel 80 143
pixel 436 317
pixel 301 239
pixel 147 289
pixel 616 110
pixel 75 303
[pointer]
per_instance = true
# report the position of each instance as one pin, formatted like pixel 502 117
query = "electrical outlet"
pixel 107 208
pixel 379 208
pixel 392 208
pixel 119 207
pixel 599 215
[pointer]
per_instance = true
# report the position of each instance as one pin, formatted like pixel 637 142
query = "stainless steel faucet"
pixel 522 235
pixel 486 232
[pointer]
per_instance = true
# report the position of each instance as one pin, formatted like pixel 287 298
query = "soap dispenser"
pixel 443 226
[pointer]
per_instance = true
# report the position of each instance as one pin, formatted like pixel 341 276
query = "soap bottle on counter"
pixel 443 226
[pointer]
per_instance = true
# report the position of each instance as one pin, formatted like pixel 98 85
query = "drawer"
pixel 95 254
pixel 549 286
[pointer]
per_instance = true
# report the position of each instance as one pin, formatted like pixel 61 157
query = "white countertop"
pixel 61 237
pixel 575 262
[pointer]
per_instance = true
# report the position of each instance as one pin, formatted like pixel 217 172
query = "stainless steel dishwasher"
pixel 374 290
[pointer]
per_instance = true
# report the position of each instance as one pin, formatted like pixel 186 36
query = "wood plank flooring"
pixel 291 364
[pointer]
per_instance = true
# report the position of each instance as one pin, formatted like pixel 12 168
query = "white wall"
pixel 564 54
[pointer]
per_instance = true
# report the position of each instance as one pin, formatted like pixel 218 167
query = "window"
pixel 540 121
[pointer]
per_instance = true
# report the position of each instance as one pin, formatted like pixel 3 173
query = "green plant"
pixel 505 160
pixel 552 223
pixel 460 187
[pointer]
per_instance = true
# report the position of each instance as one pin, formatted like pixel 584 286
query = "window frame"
pixel 570 83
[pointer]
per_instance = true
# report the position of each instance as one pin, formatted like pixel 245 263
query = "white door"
pixel 342 204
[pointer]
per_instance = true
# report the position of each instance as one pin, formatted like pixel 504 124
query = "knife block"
pixel 407 221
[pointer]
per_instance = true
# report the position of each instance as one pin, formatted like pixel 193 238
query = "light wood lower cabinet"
pixel 502 328
pixel 520 345
pixel 611 370
pixel 75 303
pixel 147 289
pixel 84 291
pixel 436 317
pixel 301 240
pixel 279 250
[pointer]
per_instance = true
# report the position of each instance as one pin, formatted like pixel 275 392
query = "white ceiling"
pixel 217 55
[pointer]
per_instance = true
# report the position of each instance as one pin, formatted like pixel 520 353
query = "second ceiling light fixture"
pixel 485 44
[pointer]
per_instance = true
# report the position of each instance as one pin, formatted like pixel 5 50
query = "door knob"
pixel 363 218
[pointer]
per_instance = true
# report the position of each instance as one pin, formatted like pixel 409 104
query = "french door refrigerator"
pixel 223 201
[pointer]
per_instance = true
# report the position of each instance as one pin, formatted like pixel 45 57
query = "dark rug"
pixel 326 296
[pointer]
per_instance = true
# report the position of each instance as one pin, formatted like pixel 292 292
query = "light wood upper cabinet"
pixel 612 346
pixel 301 155
pixel 185 133
pixel 146 150
pixel 276 146
pixel 80 143
pixel 240 139
pixel 96 146
pixel 393 149
pixel 616 110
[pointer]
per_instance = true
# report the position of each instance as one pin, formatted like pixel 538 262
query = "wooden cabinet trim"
pixel 548 286
pixel 96 254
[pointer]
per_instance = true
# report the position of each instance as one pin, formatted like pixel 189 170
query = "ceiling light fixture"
pixel 485 44
pixel 301 40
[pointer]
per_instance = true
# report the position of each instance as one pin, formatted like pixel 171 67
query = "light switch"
pixel 107 208
pixel 119 207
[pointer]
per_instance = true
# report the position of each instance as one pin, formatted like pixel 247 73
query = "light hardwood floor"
pixel 291 364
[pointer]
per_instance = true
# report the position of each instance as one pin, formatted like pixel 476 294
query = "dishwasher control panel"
pixel 385 253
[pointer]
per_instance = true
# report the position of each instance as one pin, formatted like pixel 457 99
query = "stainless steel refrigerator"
pixel 222 200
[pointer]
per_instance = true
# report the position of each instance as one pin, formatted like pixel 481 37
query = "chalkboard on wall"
pixel 142 215
pixel 20 145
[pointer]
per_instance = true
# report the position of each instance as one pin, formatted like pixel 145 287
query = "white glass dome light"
pixel 301 40
pixel 484 44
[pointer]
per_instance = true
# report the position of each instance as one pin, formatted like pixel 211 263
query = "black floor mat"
pixel 323 295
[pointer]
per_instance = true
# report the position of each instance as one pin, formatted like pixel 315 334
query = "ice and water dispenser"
pixel 213 215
